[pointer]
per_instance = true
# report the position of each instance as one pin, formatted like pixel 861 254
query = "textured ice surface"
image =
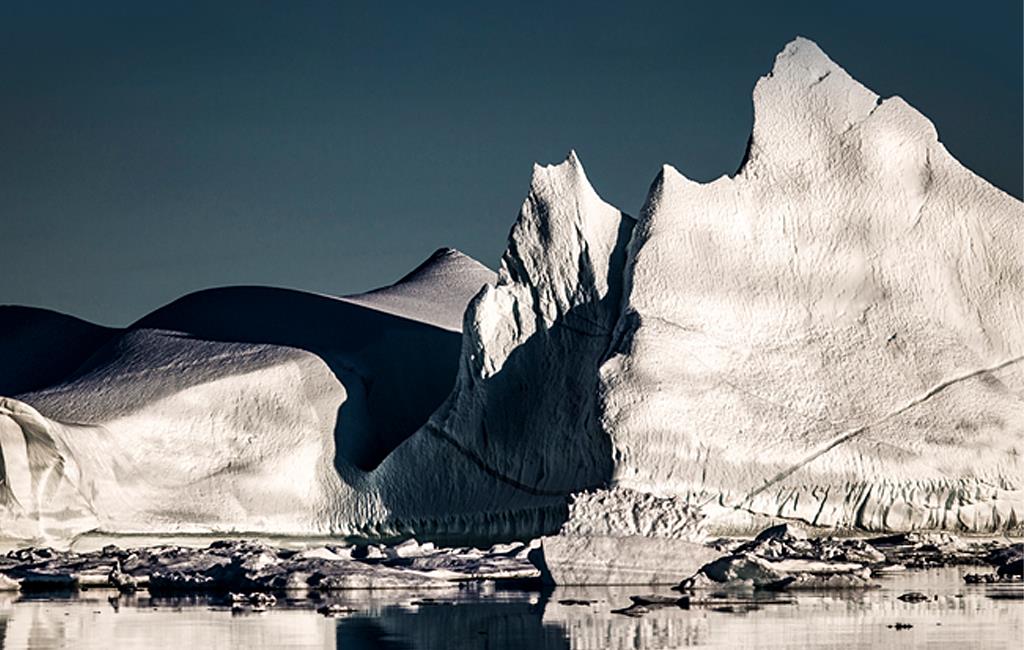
pixel 524 403
pixel 520 430
pixel 568 559
pixel 619 536
pixel 834 336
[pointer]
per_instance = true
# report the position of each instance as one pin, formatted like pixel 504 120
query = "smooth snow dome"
pixel 835 335
pixel 435 292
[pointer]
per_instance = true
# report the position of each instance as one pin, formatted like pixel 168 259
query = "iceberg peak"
pixel 804 52
pixel 803 106
pixel 445 261
pixel 435 292
pixel 564 180
pixel 563 239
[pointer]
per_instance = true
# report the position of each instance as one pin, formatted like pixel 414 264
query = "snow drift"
pixel 833 335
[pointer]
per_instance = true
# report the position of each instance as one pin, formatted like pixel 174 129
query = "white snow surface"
pixel 833 335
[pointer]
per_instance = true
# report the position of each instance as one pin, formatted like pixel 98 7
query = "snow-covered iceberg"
pixel 833 335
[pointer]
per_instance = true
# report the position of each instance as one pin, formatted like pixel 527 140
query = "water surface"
pixel 955 616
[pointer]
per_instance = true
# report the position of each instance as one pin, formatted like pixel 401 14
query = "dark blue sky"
pixel 151 149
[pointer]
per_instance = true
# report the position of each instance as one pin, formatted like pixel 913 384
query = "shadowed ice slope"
pixel 833 335
pixel 39 347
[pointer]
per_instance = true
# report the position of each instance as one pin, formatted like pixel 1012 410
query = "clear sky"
pixel 148 149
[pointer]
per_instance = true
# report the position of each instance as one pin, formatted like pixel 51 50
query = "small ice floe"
pixel 718 601
pixel 1008 562
pixel 645 604
pixel 410 548
pixel 634 611
pixel 785 557
pixel 749 570
pixel 334 610
pixel 121 581
pixel 252 602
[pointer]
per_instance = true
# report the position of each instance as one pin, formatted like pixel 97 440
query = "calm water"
pixel 958 616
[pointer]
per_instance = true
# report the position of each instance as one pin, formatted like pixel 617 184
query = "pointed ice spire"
pixel 566 254
pixel 564 238
pixel 551 180
pixel 668 178
pixel 809 113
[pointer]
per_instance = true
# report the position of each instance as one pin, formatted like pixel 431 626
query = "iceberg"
pixel 236 409
pixel 832 336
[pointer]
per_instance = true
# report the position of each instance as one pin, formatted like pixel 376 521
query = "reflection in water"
pixel 90 621
pixel 474 624
pixel 955 616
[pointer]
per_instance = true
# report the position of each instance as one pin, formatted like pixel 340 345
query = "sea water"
pixel 955 615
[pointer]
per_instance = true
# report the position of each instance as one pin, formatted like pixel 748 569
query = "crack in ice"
pixel 853 433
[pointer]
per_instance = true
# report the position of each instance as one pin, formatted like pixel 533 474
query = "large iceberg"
pixel 833 335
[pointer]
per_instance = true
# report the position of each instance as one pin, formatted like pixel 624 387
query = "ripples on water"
pixel 957 616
